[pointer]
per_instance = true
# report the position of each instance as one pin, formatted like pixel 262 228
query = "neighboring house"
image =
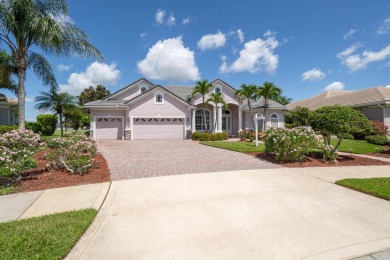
pixel 8 111
pixel 143 110
pixel 374 103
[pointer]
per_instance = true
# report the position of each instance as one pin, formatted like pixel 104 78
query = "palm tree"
pixel 247 92
pixel 217 99
pixel 37 23
pixel 268 91
pixel 202 88
pixel 56 102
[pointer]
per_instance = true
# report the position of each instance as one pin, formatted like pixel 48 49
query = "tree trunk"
pixel 21 98
pixel 250 112
pixel 265 119
pixel 204 115
pixel 61 126
pixel 338 145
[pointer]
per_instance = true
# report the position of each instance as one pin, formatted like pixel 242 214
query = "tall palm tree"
pixel 247 92
pixel 202 87
pixel 268 91
pixel 57 102
pixel 37 23
pixel 217 99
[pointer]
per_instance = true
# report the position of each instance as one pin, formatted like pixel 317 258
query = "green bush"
pixel 33 126
pixel 47 124
pixel 214 137
pixel 289 126
pixel 359 135
pixel 378 139
pixel 225 136
pixel 290 144
pixel 195 136
pixel 220 136
pixel 205 137
pixel 7 128
pixel 349 136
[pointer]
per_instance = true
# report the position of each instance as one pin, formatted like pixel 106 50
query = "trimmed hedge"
pixel 33 126
pixel 7 128
pixel 205 136
pixel 47 123
pixel 378 139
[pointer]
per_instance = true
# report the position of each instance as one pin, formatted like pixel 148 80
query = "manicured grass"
pixel 46 237
pixel 378 187
pixel 243 147
pixel 6 190
pixel 357 146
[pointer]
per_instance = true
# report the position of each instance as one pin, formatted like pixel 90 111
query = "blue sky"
pixel 305 47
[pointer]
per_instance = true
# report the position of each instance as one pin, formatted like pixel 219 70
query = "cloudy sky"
pixel 305 46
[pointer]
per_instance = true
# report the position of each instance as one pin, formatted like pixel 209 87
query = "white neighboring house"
pixel 8 111
pixel 143 110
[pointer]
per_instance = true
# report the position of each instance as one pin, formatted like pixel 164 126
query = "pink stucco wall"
pixel 247 124
pixel 132 92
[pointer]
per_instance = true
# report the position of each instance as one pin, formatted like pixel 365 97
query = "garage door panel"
pixel 109 128
pixel 158 129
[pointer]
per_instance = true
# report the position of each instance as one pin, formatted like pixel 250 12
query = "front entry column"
pixel 219 118
pixel 193 121
pixel 239 118
pixel 215 127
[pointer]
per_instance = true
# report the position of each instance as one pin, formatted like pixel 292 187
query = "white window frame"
pixel 215 90
pixel 201 109
pixel 162 98
pixel 140 90
pixel 270 119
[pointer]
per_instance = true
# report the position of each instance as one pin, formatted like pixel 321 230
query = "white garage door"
pixel 109 128
pixel 158 128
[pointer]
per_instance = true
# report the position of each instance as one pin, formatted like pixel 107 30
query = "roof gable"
pixel 128 88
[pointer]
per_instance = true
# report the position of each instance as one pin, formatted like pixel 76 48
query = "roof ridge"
pixel 381 93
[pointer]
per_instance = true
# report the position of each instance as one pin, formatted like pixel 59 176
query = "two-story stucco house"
pixel 143 110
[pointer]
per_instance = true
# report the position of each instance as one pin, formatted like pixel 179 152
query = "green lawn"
pixel 243 147
pixel 357 146
pixel 6 190
pixel 46 237
pixel 378 187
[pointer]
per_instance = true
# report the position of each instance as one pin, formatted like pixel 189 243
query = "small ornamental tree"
pixel 338 121
pixel 298 116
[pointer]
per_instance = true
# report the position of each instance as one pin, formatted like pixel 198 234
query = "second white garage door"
pixel 158 128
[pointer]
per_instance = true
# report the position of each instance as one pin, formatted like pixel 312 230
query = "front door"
pixel 226 122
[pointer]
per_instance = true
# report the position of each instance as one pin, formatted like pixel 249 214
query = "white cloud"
pixel 257 55
pixel 357 62
pixel 384 28
pixel 313 74
pixel 160 15
pixel 28 99
pixel 143 35
pixel 337 85
pixel 171 20
pixel 240 35
pixel 62 67
pixel 351 32
pixel 388 86
pixel 224 68
pixel 186 21
pixel 169 60
pixel 96 73
pixel 63 18
pixel 212 41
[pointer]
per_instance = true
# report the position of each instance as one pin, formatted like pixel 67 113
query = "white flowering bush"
pixel 74 154
pixel 16 150
pixel 290 144
pixel 329 153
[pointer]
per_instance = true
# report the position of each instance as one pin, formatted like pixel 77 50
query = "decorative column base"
pixel 127 134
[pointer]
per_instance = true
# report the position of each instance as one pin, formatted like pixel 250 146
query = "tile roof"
pixel 181 91
pixel 364 97
pixel 107 103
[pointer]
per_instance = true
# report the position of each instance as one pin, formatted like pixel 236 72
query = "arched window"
pixel 199 120
pixel 217 90
pixel 159 98
pixel 274 120
pixel 143 90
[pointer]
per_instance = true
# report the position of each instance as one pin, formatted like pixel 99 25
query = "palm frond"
pixel 43 69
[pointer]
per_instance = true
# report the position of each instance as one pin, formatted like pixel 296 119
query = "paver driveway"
pixel 151 158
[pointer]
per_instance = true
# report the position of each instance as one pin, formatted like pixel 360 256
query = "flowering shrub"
pixel 329 153
pixel 16 149
pixel 379 127
pixel 74 154
pixel 290 144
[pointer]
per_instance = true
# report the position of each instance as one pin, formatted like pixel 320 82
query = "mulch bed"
pixel 384 154
pixel 343 160
pixel 41 179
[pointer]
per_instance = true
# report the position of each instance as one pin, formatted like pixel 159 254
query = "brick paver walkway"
pixel 151 158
